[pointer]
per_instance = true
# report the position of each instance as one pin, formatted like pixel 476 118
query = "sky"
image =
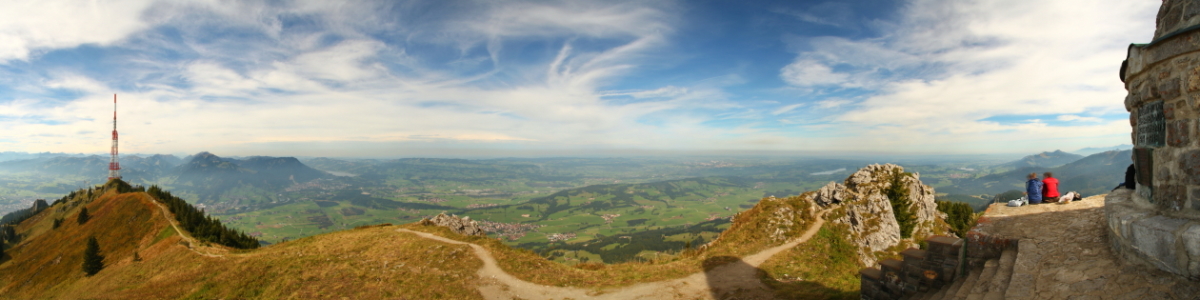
pixel 563 78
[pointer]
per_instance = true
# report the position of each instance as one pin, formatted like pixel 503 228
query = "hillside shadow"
pixel 730 277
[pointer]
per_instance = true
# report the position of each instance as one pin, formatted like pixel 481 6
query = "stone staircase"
pixel 934 274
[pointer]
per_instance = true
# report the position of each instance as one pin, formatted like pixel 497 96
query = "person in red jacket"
pixel 1050 191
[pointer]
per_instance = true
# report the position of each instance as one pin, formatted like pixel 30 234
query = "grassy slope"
pixel 378 262
pixel 366 263
pixel 823 268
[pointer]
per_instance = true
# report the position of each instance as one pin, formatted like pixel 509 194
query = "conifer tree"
pixel 83 216
pixel 902 206
pixel 92 260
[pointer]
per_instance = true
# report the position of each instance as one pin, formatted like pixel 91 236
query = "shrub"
pixel 960 216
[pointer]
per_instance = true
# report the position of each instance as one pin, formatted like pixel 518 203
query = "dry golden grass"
pixel 374 262
pixel 825 267
pixel 48 258
pixel 747 235
pixel 368 263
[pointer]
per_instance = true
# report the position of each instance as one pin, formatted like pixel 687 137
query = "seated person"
pixel 1033 189
pixel 1050 188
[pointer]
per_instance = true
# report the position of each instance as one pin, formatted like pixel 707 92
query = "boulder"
pixel 464 225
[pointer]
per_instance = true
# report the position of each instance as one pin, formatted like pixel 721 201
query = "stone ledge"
pixel 1139 234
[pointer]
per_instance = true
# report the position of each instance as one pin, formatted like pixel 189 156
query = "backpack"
pixel 1018 202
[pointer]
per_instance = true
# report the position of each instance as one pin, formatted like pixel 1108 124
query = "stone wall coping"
pixel 1140 57
pixel 872 273
pixel 892 263
pixel 913 252
pixel 1144 235
pixel 944 240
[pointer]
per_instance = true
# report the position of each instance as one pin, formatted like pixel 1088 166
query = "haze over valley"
pixel 533 203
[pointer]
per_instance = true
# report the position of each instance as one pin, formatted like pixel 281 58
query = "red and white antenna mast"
pixel 114 167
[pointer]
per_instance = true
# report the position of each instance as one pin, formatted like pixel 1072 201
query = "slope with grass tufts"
pixel 367 263
pixel 780 247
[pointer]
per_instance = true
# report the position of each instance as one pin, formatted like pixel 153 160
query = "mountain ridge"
pixel 1045 159
pixel 379 262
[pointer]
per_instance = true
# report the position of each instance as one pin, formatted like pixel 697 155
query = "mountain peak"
pixel 1046 159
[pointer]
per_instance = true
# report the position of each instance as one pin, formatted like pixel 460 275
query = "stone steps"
pixel 937 295
pixel 1004 273
pixel 968 285
pixel 950 292
pixel 1024 270
pixel 981 288
pixel 920 274
pixel 989 283
pixel 999 270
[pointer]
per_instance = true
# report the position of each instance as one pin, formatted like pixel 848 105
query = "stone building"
pixel 1158 223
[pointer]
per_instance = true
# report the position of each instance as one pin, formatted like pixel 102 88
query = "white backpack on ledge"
pixel 1019 202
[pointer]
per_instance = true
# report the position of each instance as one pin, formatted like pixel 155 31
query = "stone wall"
pixel 1139 234
pixel 1163 80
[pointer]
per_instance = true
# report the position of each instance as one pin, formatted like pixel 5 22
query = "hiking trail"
pixel 732 277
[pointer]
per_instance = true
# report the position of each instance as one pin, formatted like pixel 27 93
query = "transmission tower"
pixel 114 167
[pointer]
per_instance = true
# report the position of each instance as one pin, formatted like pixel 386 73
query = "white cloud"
pixel 298 88
pixel 786 108
pixel 30 26
pixel 807 72
pixel 1072 118
pixel 663 92
pixel 832 103
pixel 954 64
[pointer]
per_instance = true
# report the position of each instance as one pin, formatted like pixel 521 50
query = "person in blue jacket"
pixel 1033 189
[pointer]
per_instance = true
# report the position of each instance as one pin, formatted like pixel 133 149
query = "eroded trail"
pixel 739 277
pixel 192 244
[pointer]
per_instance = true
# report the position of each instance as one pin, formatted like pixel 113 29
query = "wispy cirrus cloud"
pixel 250 72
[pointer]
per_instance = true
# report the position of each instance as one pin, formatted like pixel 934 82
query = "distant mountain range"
pixel 1095 174
pixel 1044 159
pixel 203 177
pixel 1094 150
pixel 209 176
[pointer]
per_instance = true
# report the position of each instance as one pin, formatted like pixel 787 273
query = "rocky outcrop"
pixel 464 225
pixel 863 205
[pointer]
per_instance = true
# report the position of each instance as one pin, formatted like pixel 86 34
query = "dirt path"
pixel 192 244
pixel 737 277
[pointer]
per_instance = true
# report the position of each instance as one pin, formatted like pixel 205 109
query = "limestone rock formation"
pixel 464 225
pixel 865 207
pixel 782 220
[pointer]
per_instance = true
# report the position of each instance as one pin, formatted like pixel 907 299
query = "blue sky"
pixel 445 78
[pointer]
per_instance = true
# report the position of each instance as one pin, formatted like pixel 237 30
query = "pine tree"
pixel 92 260
pixel 902 206
pixel 83 216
